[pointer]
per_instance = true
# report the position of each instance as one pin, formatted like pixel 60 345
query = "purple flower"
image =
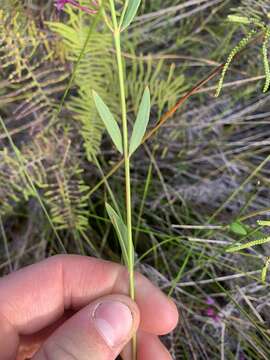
pixel 210 301
pixel 211 313
pixel 61 3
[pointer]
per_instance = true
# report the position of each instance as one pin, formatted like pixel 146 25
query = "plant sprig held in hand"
pixel 124 144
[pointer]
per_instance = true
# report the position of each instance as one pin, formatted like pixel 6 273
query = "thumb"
pixel 99 331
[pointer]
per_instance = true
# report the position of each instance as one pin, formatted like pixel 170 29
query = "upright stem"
pixel 121 72
pixel 117 41
pixel 127 159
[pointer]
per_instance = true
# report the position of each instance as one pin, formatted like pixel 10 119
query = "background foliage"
pixel 205 169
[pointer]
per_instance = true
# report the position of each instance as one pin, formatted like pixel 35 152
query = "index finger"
pixel 36 296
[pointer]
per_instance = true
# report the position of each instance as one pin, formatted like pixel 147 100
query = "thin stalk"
pixel 121 72
pixel 146 188
pixel 127 159
pixel 117 41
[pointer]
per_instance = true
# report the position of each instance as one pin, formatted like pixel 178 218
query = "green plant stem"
pixel 127 159
pixel 117 41
pixel 145 193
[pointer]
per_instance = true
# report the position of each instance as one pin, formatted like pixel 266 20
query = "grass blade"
pixel 109 122
pixel 141 122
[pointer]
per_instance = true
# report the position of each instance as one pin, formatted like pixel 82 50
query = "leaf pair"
pixel 112 126
pixel 130 13
pixel 122 234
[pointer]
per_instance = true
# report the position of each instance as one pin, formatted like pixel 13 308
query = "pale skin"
pixel 48 311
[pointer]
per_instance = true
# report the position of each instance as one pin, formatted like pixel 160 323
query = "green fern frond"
pixel 67 199
pixel 14 187
pixel 93 73
pixel 32 75
pixel 241 45
pixel 57 173
pixel 165 87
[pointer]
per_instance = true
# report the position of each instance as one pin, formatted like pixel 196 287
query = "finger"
pixel 29 344
pixel 9 340
pixel 99 331
pixel 149 347
pixel 36 296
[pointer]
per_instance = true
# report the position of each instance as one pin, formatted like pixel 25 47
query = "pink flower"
pixel 211 313
pixel 61 3
pixel 210 301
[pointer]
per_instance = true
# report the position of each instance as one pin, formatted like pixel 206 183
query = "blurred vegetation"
pixel 205 169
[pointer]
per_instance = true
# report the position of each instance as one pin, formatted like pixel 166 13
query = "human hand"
pixel 75 308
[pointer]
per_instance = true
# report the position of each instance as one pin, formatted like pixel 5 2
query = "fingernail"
pixel 113 320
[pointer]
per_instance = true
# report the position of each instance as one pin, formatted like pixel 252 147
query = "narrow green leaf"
pixel 238 228
pixel 121 230
pixel 109 122
pixel 131 12
pixel 239 19
pixel 141 122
